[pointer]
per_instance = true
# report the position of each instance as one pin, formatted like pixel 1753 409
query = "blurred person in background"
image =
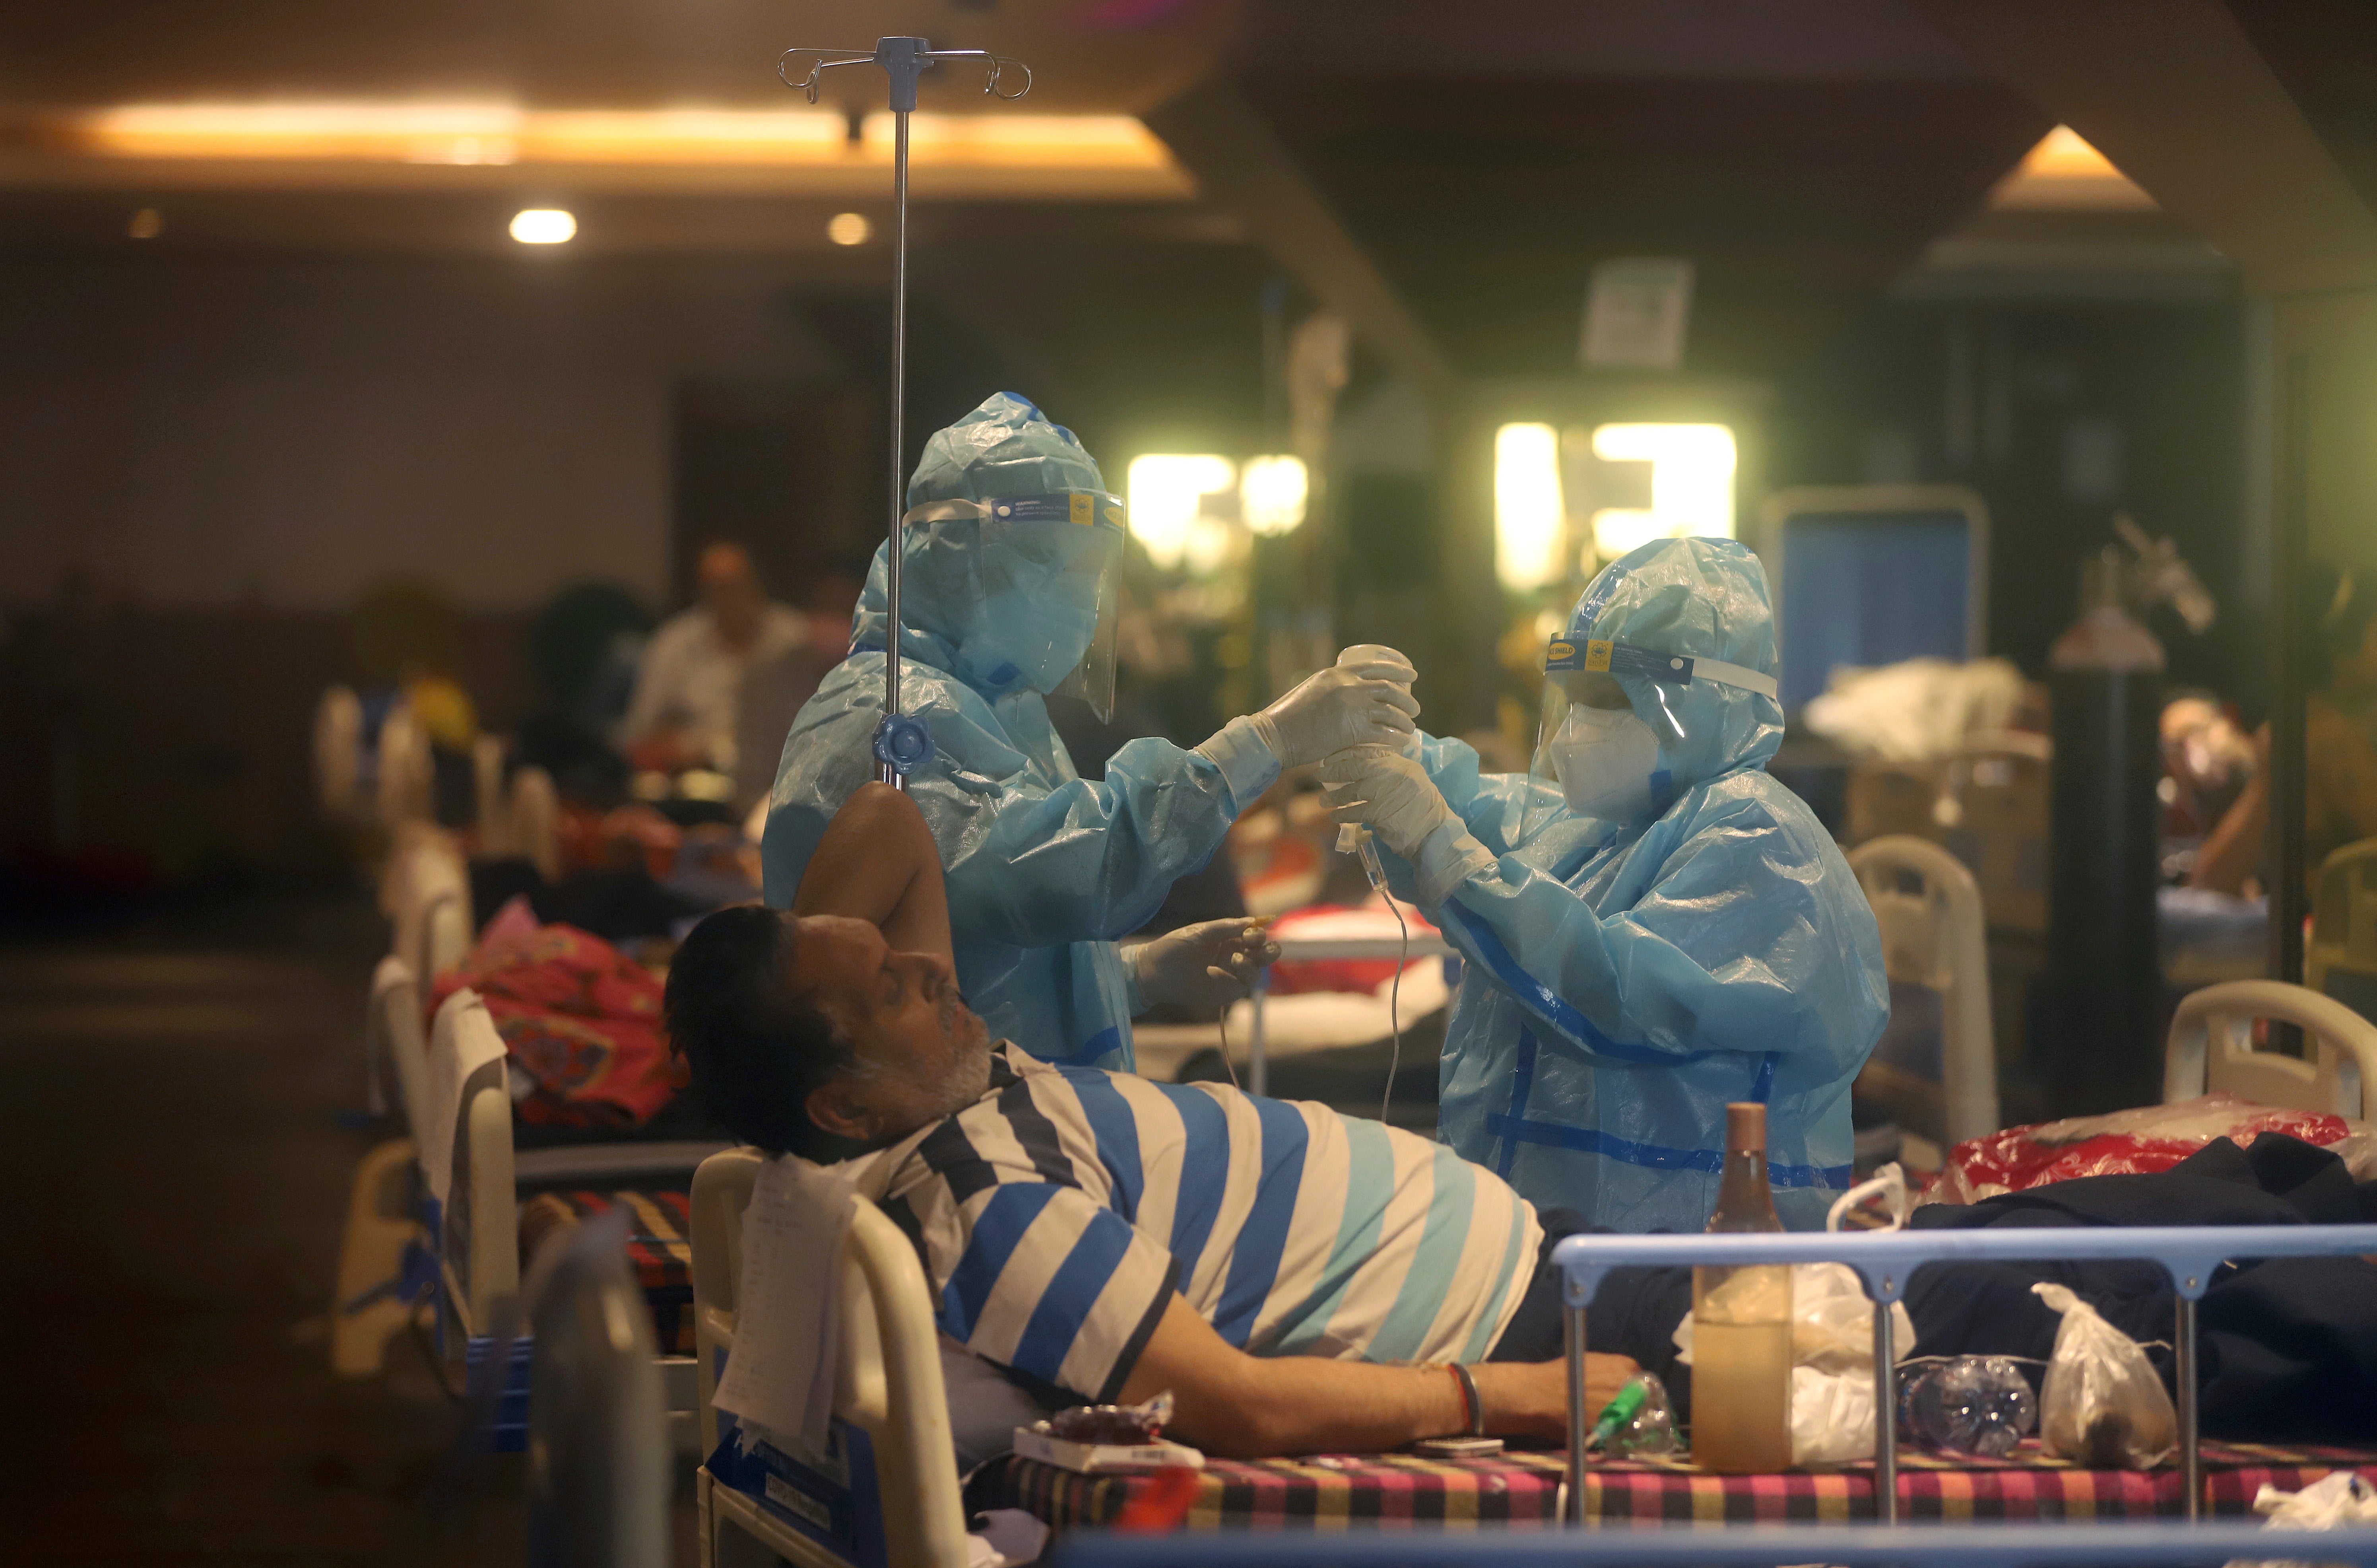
pixel 2339 756
pixel 583 650
pixel 683 713
pixel 406 658
pixel 774 687
pixel 831 605
pixel 2208 754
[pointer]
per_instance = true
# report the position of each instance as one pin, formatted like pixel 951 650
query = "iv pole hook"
pixel 901 744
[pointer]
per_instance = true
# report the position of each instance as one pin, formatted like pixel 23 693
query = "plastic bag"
pixel 2104 1407
pixel 2338 1501
pixel 1832 1362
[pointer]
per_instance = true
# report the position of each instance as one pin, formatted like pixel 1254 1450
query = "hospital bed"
pixel 2340 958
pixel 1968 1546
pixel 887 1495
pixel 1265 1029
pixel 424 891
pixel 475 1222
pixel 1943 1074
pixel 598 1493
pixel 901 1405
pixel 387 1263
pixel 513 815
pixel 434 1217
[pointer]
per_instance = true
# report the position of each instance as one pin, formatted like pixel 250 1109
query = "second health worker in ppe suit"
pixel 1654 925
pixel 1009 552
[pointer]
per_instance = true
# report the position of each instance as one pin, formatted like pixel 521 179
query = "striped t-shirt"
pixel 1057 1215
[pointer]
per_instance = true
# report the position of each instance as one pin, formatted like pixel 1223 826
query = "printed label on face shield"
pixel 1084 508
pixel 1597 655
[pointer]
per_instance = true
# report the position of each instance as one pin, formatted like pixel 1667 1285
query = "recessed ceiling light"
pixel 849 228
pixel 543 225
pixel 146 224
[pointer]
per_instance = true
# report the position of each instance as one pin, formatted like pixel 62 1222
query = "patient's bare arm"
pixel 1248 1406
pixel 877 863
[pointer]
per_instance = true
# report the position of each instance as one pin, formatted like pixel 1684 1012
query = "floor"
pixel 176 1097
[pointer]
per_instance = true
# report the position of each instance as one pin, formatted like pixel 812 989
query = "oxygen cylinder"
pixel 2105 1028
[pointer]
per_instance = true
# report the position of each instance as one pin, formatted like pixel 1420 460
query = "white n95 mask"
pixel 1604 759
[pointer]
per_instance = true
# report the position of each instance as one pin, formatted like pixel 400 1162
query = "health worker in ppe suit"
pixel 1009 552
pixel 1654 925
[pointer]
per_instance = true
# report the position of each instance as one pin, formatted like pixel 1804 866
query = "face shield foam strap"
pixel 1668 669
pixel 1087 507
pixel 1047 620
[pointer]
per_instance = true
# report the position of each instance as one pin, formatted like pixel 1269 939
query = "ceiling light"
pixel 2064 171
pixel 146 224
pixel 1079 154
pixel 1164 493
pixel 849 228
pixel 1691 485
pixel 1529 517
pixel 1271 495
pixel 543 225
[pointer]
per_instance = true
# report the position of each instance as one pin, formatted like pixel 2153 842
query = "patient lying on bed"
pixel 1298 1279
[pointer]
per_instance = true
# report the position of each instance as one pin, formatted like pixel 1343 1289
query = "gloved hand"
pixel 1202 967
pixel 1388 792
pixel 1363 699
pixel 1379 662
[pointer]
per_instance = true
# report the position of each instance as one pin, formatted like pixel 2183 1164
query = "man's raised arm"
pixel 877 863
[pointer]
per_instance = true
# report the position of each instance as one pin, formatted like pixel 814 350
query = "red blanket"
pixel 2125 1142
pixel 580 1018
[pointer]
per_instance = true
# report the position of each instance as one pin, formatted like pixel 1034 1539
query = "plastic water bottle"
pixel 1968 1405
pixel 1639 1420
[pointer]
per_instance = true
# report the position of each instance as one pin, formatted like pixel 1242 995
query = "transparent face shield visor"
pixel 1048 591
pixel 1598 751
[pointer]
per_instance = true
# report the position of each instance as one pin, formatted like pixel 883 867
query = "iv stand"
pixel 901 744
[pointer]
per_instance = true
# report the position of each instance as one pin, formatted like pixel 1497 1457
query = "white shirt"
pixel 689 677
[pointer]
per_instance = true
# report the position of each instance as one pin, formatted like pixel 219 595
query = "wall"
pixel 212 431
pixel 225 451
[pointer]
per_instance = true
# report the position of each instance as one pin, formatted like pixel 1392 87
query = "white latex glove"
pixel 1205 968
pixel 1364 703
pixel 1387 792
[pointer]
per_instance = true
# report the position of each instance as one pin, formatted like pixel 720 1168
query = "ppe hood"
pixel 1013 598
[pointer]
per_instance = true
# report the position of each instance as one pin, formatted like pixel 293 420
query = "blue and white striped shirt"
pixel 1057 1215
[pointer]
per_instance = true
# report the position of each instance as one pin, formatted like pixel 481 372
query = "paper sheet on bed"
pixel 781 1374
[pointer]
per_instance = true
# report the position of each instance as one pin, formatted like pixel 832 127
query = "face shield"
pixel 1611 719
pixel 1046 593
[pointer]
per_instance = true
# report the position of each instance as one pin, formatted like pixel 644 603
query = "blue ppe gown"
pixel 1627 979
pixel 1045 869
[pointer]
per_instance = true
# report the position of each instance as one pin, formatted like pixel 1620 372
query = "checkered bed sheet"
pixel 1328 1490
pixel 659 1248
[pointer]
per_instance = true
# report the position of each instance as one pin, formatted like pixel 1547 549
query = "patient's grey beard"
pixel 969 1075
pixel 966 1077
